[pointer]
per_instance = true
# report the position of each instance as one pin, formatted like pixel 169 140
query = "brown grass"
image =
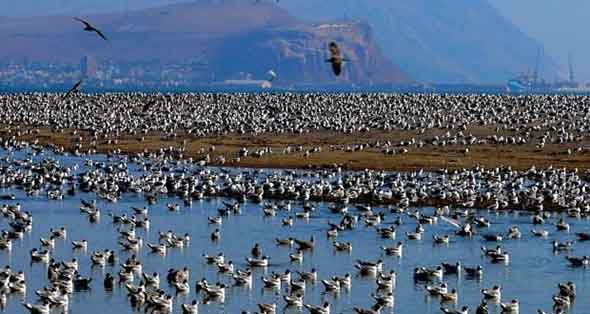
pixel 429 158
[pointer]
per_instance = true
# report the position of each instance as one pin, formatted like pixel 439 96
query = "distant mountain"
pixel 230 38
pixel 453 41
pixel 441 40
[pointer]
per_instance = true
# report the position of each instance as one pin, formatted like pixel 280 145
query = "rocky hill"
pixel 228 37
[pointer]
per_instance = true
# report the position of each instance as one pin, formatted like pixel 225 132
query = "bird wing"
pixel 100 34
pixel 452 222
pixel 82 21
pixel 73 89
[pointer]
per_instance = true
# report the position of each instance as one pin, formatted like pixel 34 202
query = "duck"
pixel 514 233
pixel 80 245
pixel 463 310
pixel 441 239
pixel 214 259
pixel 39 256
pixel 452 296
pixel 273 282
pixel 495 293
pixel 561 301
pixel 215 220
pixel 192 308
pixel 82 283
pixel 151 280
pixel 267 308
pixel 308 276
pixel 540 233
pixel 583 236
pixel 59 233
pixel 396 250
pixel 158 248
pixel 493 237
pixel 255 262
pixel 38 308
pixel 384 300
pixel 375 309
pixel 182 287
pixel 216 292
pixel 510 308
pixel 414 235
pixel 387 233
pixel 19 286
pixel 331 284
pixel 578 261
pixel 48 242
pixel 436 290
pixel 491 252
pixel 288 222
pixel 332 233
pixel 294 301
pixel 226 268
pixel 314 309
pixel 242 278
pixel 284 242
pixel 562 225
pixel 342 247
pixel 216 235
pixel 386 281
pixel 451 268
pixel 562 246
pixel 482 308
pixel 306 245
pixel 369 268
pixel 109 282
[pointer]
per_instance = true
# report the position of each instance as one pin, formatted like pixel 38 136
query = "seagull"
pixel 272 75
pixel 90 28
pixel 336 58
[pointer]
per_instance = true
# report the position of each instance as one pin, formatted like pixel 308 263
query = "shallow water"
pixel 531 276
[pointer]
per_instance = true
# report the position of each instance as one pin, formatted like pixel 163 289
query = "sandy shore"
pixel 429 157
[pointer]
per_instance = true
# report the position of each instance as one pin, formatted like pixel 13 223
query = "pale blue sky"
pixel 561 25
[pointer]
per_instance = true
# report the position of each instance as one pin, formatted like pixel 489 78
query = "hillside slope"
pixel 439 41
pixel 230 37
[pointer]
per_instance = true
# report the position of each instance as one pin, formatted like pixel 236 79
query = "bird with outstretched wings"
pixel 74 89
pixel 89 28
pixel 336 58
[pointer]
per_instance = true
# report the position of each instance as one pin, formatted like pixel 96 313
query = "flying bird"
pixel 336 58
pixel 89 28
pixel 74 89
pixel 272 75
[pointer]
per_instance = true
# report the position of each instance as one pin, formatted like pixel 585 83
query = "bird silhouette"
pixel 74 89
pixel 89 28
pixel 336 58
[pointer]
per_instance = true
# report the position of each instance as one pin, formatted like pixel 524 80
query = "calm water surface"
pixel 531 276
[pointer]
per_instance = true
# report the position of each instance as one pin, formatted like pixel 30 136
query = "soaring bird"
pixel 74 89
pixel 336 58
pixel 89 28
pixel 271 75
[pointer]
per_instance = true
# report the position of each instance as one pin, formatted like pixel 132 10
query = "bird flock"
pixel 379 202
pixel 399 209
pixel 429 122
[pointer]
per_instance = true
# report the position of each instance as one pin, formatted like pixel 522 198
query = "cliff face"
pixel 439 41
pixel 229 38
pixel 299 53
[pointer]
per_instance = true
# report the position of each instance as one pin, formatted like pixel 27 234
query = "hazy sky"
pixel 561 25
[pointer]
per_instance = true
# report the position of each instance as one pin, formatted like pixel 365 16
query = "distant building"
pixel 88 67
